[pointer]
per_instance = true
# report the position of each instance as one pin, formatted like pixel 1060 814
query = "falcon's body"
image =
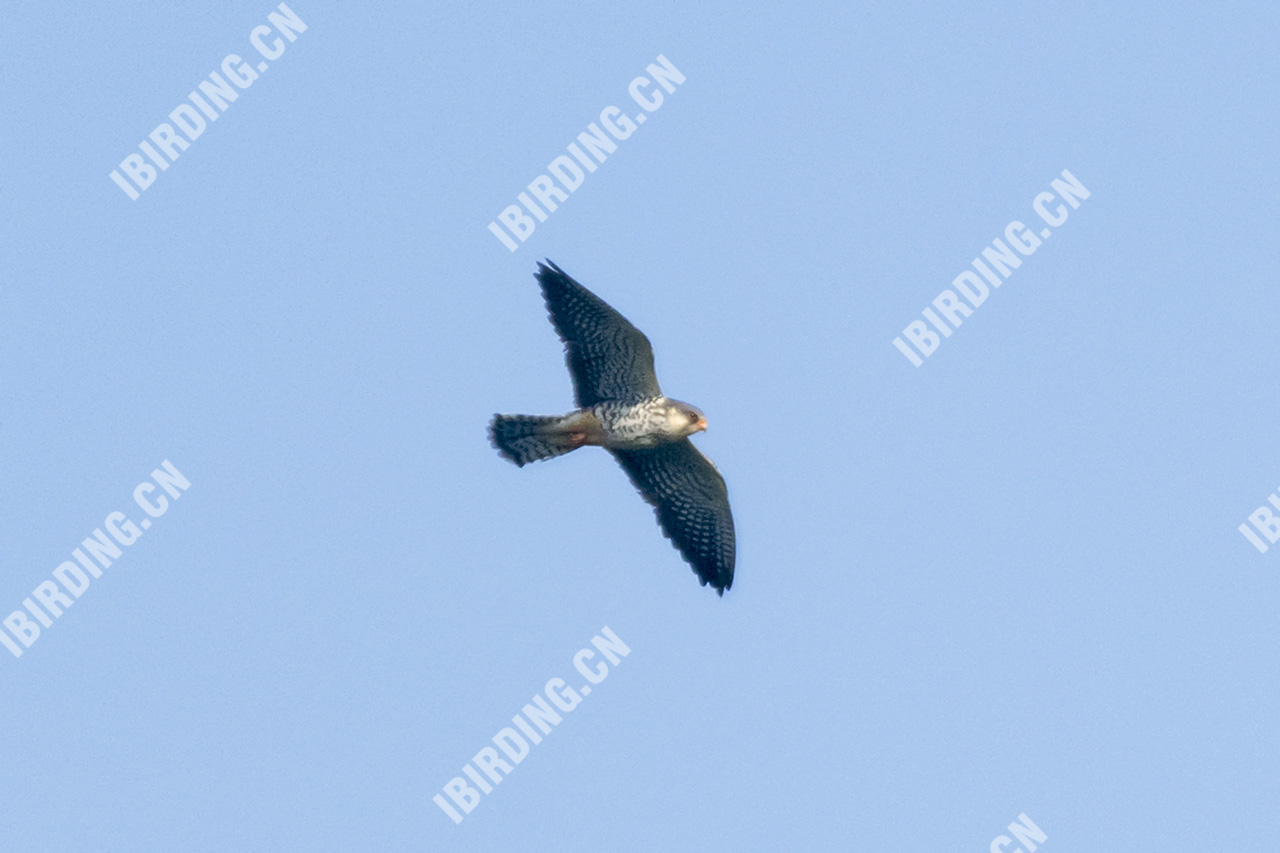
pixel 623 410
pixel 631 426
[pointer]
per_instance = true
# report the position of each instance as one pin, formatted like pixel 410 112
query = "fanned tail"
pixel 529 438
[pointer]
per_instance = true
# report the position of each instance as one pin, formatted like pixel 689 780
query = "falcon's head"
pixel 686 419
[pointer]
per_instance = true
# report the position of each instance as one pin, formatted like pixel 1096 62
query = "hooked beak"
pixel 701 425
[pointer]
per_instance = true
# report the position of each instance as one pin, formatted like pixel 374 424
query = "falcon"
pixel 622 409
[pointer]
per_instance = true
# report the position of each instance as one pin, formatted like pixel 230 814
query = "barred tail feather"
pixel 529 438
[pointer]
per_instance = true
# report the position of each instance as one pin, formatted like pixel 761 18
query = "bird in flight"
pixel 621 409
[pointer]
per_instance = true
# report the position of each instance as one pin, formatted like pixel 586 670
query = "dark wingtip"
pixel 547 276
pixel 718 587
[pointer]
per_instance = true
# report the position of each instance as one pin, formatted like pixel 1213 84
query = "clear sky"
pixel 1006 581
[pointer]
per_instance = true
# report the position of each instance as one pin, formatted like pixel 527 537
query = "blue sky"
pixel 1006 581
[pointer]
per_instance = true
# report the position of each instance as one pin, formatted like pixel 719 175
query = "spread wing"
pixel 609 359
pixel 692 505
